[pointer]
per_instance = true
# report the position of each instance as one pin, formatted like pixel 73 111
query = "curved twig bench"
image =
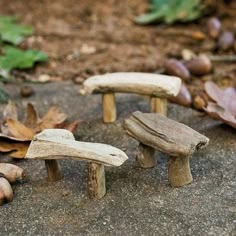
pixel 171 137
pixel 56 144
pixel 158 87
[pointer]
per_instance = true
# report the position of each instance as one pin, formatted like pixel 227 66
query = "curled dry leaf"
pixel 224 108
pixel 52 118
pixel 15 135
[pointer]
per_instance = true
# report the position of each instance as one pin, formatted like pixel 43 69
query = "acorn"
pixel 184 97
pixel 214 27
pixel 177 68
pixel 199 103
pixel 26 91
pixel 6 192
pixel 226 41
pixel 12 172
pixel 199 65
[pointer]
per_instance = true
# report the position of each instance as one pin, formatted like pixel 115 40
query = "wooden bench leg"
pixel 96 180
pixel 53 170
pixel 109 107
pixel 145 156
pixel 158 105
pixel 179 172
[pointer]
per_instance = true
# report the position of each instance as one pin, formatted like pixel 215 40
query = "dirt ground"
pixel 83 38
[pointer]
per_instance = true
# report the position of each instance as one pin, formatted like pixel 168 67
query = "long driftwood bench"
pixel 179 141
pixel 56 144
pixel 157 87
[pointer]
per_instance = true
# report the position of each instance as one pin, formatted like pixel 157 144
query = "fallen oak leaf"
pixel 10 111
pixel 19 130
pixel 69 126
pixel 52 118
pixel 32 119
pixel 217 112
pixel 225 98
pixel 14 149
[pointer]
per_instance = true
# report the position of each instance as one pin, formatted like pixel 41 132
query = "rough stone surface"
pixel 138 201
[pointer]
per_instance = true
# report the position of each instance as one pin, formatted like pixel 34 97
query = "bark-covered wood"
pixel 133 82
pixel 109 107
pixel 47 146
pixel 179 172
pixel 145 156
pixel 53 170
pixel 96 180
pixel 158 105
pixel 166 135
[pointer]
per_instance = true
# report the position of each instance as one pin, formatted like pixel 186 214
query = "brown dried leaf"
pixel 10 111
pixel 219 113
pixel 69 126
pixel 32 118
pixel 19 130
pixel 214 92
pixel 52 118
pixel 224 98
pixel 15 149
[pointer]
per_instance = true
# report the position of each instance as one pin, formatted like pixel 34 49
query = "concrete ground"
pixel 138 201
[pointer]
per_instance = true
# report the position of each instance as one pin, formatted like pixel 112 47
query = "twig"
pixel 226 58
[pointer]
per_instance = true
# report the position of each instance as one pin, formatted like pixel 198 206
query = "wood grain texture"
pixel 109 107
pixel 158 105
pixel 96 180
pixel 179 173
pixel 134 82
pixel 145 156
pixel 47 146
pixel 53 170
pixel 163 134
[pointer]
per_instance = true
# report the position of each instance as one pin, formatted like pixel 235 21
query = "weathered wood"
pixel 96 180
pixel 53 170
pixel 145 156
pixel 47 146
pixel 109 107
pixel 158 105
pixel 166 135
pixel 132 82
pixel 179 172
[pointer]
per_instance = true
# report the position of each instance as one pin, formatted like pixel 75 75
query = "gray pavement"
pixel 138 201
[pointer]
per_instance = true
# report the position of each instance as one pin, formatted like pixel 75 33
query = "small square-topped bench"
pixel 56 144
pixel 158 87
pixel 179 141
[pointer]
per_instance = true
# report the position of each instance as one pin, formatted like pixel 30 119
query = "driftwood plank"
pixel 166 135
pixel 134 82
pixel 49 145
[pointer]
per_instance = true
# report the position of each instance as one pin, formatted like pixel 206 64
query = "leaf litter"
pixel 224 106
pixel 15 135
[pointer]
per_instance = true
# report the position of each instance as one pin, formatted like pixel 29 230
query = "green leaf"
pixel 18 59
pixel 3 96
pixel 11 32
pixel 170 11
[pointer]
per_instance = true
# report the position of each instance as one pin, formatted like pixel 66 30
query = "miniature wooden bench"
pixel 158 87
pixel 56 144
pixel 154 131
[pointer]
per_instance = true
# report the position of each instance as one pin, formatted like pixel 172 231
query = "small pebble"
pixel 26 91
pixel 214 27
pixel 226 41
